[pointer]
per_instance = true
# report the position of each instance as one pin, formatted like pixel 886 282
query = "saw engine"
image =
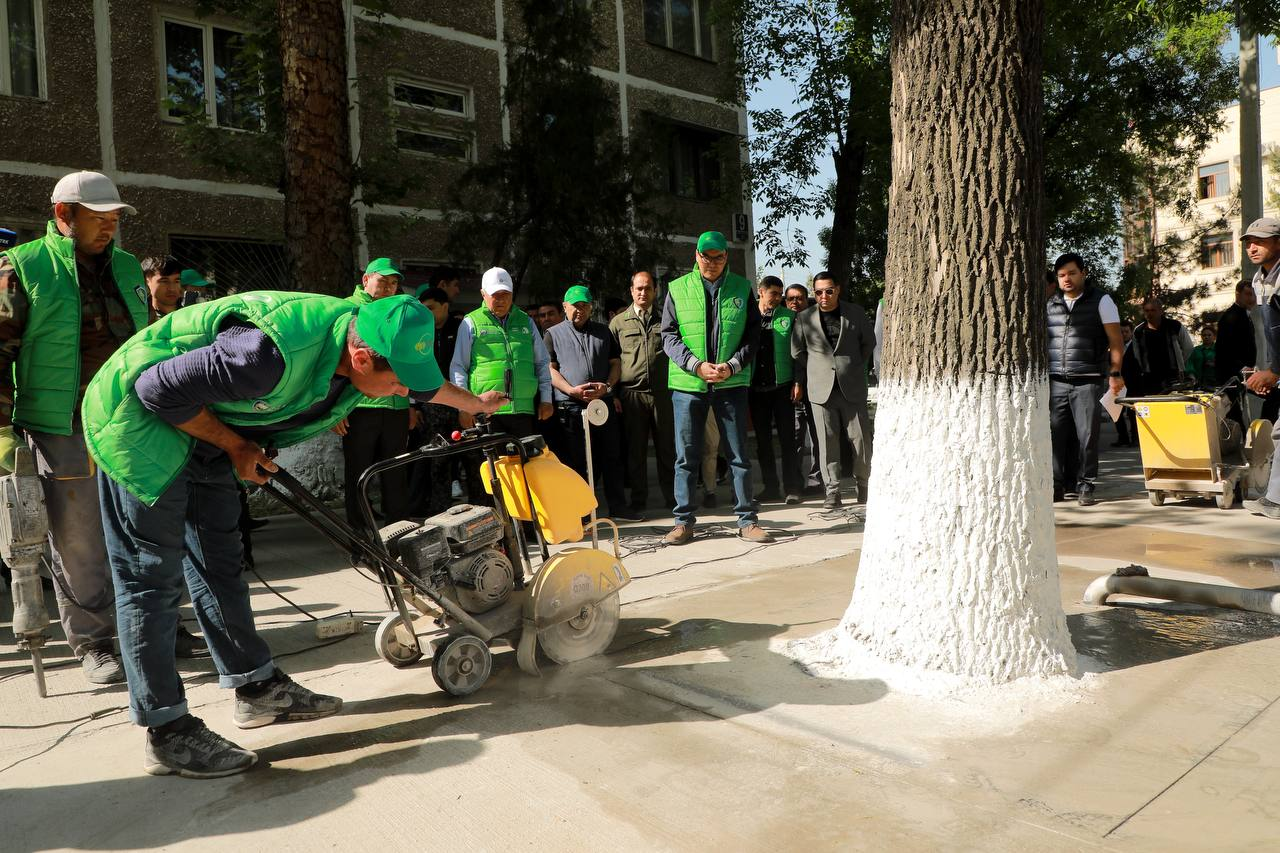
pixel 457 552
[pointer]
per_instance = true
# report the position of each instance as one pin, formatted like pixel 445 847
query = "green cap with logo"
pixel 381 266
pixel 191 278
pixel 402 330
pixel 577 293
pixel 713 240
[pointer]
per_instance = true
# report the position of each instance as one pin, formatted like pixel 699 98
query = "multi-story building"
pixel 92 84
pixel 1213 257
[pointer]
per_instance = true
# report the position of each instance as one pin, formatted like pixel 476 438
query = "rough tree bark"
pixel 318 172
pixel 850 162
pixel 958 572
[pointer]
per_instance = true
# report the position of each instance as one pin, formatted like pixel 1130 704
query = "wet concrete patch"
pixel 1124 635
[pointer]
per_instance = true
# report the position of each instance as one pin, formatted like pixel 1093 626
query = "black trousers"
pixel 772 411
pixel 606 450
pixel 430 480
pixel 1074 409
pixel 806 428
pixel 646 414
pixel 374 435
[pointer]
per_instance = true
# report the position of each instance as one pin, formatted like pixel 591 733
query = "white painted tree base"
pixel 957 587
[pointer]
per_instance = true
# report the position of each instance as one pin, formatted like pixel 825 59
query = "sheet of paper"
pixel 1109 403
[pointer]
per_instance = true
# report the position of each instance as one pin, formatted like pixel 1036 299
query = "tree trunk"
pixel 958 572
pixel 850 162
pixel 318 172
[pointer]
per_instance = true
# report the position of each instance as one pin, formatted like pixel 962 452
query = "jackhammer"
pixel 24 526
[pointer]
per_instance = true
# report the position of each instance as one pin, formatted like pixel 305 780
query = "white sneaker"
pixel 456 491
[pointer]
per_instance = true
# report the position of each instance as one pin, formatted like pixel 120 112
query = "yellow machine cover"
pixel 560 497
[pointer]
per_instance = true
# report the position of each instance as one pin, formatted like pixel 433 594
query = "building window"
pixel 434 97
pixel 1215 180
pixel 693 164
pixel 233 266
pixel 433 143
pixel 21 48
pixel 200 59
pixel 683 25
pixel 1217 250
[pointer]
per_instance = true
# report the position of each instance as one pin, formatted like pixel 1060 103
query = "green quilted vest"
pixel 780 334
pixel 46 375
pixel 494 350
pixel 360 297
pixel 144 454
pixel 690 300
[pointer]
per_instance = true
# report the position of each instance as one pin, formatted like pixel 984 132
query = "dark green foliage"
pixel 566 201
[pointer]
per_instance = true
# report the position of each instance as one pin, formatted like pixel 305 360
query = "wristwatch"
pixel 1115 374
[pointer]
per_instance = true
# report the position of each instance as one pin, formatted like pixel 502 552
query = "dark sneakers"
pixel 187 748
pixel 188 645
pixel 280 699
pixel 1086 497
pixel 1262 506
pixel 833 501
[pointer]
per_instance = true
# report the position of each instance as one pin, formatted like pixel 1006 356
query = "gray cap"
pixel 93 190
pixel 1265 227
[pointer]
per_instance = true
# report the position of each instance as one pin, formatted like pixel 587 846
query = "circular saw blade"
pixel 583 636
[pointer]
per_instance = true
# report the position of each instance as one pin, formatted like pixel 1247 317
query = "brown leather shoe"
pixel 681 534
pixel 755 533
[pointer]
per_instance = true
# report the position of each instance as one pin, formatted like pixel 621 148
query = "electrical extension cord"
pixel 342 625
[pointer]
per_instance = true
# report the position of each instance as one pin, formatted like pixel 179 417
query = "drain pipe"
pixel 1134 580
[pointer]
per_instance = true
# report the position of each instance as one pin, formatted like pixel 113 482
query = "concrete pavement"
pixel 695 732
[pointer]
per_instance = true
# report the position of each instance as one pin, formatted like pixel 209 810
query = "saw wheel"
pixel 589 633
pixel 389 647
pixel 1258 450
pixel 461 666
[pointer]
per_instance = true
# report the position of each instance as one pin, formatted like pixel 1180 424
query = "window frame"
pixel 669 44
pixel 440 133
pixel 468 96
pixel 715 185
pixel 1223 240
pixel 1213 176
pixel 206 27
pixel 6 69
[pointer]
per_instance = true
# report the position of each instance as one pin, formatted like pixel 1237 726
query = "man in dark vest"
pixel 1161 346
pixel 1236 348
pixel 67 301
pixel 585 366
pixel 171 433
pixel 710 327
pixel 1086 352
pixel 773 395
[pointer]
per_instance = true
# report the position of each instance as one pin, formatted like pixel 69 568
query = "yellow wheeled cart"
pixel 1190 448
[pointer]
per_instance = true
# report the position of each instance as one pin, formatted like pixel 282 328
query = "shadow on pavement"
pixel 631 686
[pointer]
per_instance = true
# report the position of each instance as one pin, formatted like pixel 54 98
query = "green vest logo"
pixel 261 406
pixel 783 324
pixel 737 302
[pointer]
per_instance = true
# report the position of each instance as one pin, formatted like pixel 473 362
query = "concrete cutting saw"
pixel 461 581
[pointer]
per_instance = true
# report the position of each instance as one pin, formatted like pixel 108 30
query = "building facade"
pixel 95 84
pixel 1213 253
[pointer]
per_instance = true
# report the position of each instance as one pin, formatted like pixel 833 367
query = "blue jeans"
pixel 690 410
pixel 192 531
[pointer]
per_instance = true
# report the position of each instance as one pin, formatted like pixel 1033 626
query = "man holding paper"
pixel 1085 355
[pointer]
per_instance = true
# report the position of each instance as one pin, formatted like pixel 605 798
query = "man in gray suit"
pixel 832 343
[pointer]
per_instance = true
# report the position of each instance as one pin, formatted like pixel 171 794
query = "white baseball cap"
pixel 496 280
pixel 94 190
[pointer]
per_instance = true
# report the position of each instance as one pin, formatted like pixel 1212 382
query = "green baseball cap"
pixel 191 278
pixel 577 293
pixel 712 240
pixel 402 330
pixel 381 266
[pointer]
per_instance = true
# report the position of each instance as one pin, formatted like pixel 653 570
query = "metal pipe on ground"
pixel 1134 580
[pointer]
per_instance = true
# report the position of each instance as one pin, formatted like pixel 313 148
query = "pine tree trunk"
pixel 318 172
pixel 958 573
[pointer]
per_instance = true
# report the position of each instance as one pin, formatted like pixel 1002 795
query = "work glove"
pixel 9 442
